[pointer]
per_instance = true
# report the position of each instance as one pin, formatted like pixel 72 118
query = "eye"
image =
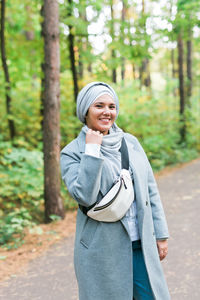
pixel 112 106
pixel 98 105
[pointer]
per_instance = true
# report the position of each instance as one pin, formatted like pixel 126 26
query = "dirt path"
pixel 180 192
pixel 51 276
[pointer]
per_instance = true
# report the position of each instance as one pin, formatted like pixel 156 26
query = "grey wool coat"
pixel 103 251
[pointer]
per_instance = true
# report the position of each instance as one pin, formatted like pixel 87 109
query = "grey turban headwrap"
pixel 89 94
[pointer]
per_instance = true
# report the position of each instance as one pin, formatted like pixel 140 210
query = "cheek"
pixel 91 116
pixel 114 114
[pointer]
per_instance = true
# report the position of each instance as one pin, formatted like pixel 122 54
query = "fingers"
pixel 95 132
pixel 163 253
pixel 162 249
pixel 94 137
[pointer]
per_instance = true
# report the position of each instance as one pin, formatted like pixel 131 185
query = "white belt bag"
pixel 114 205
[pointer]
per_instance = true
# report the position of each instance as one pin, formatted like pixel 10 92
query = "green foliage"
pixel 24 56
pixel 154 120
pixel 12 227
pixel 21 191
pixel 21 174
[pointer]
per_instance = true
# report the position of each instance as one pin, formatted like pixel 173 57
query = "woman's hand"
pixel 162 248
pixel 94 137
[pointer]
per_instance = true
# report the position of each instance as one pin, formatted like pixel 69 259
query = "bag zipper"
pixel 111 201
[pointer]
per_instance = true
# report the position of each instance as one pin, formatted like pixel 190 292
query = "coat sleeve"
pixel 82 176
pixel 158 215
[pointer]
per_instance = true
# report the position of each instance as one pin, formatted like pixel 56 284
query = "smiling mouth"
pixel 104 119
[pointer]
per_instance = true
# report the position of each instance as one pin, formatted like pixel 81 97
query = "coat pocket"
pixel 88 232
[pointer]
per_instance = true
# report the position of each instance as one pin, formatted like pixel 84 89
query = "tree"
pixel 144 68
pixel 113 51
pixel 123 14
pixel 71 52
pixel 11 124
pixel 185 19
pixel 51 130
pixel 181 88
pixel 189 65
pixel 171 35
pixel 43 70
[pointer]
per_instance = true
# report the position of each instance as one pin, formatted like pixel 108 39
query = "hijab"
pixel 89 94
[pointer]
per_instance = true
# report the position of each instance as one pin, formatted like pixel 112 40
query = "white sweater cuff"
pixel 92 149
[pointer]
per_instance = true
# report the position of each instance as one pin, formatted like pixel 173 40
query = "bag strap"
pixel 124 155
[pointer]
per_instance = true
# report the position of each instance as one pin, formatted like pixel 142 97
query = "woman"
pixel 118 260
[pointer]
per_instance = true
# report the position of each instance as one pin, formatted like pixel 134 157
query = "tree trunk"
pixel 122 68
pixel 173 64
pixel 181 88
pixel 189 70
pixel 51 134
pixel 173 70
pixel 71 53
pixel 114 72
pixel 42 96
pixel 89 68
pixel 134 71
pixel 172 51
pixel 122 35
pixel 72 62
pixel 113 54
pixel 80 67
pixel 81 45
pixel 11 124
pixel 42 77
pixel 145 78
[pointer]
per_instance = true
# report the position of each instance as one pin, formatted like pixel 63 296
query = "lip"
pixel 106 121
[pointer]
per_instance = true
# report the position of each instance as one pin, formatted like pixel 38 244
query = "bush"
pixel 21 174
pixel 12 227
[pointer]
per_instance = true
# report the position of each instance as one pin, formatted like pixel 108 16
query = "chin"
pixel 104 129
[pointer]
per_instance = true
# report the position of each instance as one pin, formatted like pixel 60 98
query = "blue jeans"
pixel 141 285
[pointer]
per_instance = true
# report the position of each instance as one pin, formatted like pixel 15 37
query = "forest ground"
pixel 35 272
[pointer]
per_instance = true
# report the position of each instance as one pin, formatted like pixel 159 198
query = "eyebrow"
pixel 112 103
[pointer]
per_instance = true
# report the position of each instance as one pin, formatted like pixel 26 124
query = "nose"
pixel 106 110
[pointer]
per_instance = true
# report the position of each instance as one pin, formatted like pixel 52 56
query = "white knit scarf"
pixel 110 149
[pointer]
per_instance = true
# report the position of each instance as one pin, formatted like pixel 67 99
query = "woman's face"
pixel 101 114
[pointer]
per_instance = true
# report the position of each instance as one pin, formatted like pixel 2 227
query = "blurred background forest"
pixel 147 50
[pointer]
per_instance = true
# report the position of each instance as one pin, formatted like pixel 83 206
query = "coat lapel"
pixel 140 176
